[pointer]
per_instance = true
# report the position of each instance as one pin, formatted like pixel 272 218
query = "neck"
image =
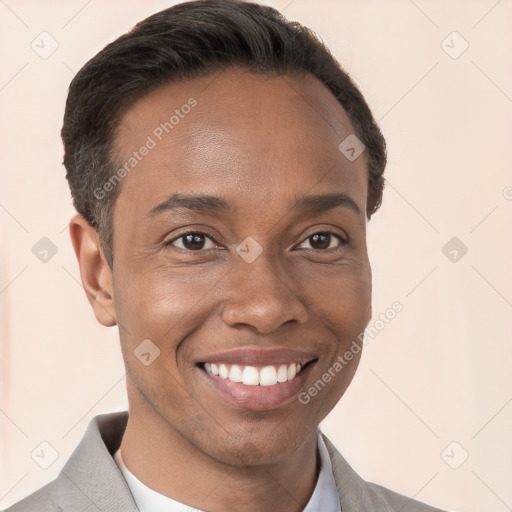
pixel 166 462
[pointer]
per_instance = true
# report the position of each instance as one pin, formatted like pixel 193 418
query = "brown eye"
pixel 192 241
pixel 323 240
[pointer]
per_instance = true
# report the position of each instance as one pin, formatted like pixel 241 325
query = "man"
pixel 223 167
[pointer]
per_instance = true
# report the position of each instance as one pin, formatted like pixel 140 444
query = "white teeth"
pixel 282 373
pixel 268 376
pixel 251 376
pixel 235 374
pixel 223 371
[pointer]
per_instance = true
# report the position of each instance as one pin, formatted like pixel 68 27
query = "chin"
pixel 255 450
pixel 253 455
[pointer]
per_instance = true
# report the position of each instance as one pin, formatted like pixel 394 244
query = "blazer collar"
pixel 90 479
pixel 352 489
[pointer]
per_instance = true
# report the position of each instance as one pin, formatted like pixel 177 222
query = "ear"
pixel 94 270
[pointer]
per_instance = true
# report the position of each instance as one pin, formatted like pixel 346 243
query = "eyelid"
pixel 192 232
pixel 343 240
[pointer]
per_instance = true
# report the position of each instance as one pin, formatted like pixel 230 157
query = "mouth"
pixel 256 386
pixel 269 375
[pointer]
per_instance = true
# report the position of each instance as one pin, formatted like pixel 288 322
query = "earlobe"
pixel 95 273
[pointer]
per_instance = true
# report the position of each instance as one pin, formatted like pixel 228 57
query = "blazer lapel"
pixel 90 481
pixel 352 490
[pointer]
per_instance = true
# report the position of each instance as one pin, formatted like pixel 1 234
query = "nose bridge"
pixel 260 294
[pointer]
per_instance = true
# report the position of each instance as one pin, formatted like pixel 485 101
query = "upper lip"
pixel 259 356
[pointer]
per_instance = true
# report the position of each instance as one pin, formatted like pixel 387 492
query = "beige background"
pixel 438 373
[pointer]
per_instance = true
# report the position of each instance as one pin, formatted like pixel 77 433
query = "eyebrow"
pixel 314 204
pixel 202 204
pixel 309 204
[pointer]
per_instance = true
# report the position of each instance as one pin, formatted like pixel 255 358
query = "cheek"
pixel 351 308
pixel 343 302
pixel 161 304
pixel 156 312
pixel 165 308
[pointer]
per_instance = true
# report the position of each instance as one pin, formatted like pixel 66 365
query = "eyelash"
pixel 342 241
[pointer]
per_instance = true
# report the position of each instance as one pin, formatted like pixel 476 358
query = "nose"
pixel 262 295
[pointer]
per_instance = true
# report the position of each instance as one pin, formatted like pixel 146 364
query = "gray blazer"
pixel 90 481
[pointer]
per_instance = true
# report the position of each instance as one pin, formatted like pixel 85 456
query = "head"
pixel 231 103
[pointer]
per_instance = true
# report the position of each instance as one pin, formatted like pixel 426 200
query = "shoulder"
pixel 90 477
pixel 395 501
pixel 42 500
pixel 358 494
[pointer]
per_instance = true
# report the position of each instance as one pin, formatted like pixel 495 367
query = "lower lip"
pixel 258 398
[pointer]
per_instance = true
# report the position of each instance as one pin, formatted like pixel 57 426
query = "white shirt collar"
pixel 324 498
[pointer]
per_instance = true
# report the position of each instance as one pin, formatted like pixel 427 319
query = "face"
pixel 250 279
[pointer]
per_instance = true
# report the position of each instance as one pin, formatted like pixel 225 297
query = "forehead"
pixel 257 139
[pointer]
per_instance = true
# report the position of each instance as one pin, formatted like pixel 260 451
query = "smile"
pixel 256 380
pixel 270 375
